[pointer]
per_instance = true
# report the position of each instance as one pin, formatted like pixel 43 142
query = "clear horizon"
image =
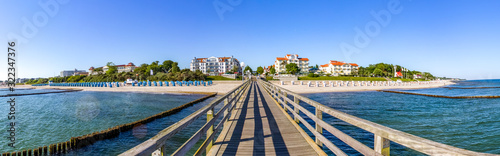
pixel 450 38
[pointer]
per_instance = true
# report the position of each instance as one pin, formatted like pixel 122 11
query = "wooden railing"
pixel 156 143
pixel 383 135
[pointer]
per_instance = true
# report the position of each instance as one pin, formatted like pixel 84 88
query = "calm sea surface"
pixel 51 118
pixel 472 124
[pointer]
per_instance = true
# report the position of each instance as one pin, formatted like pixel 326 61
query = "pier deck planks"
pixel 260 128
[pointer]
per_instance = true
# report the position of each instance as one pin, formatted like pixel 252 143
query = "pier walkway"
pixel 260 128
pixel 260 118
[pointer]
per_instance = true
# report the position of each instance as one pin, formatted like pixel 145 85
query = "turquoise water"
pixel 472 124
pixel 52 118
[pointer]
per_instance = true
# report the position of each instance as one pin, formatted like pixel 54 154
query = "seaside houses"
pixel 120 68
pixel 65 73
pixel 215 65
pixel 337 68
pixel 281 62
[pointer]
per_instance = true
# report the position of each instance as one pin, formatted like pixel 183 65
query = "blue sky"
pixel 452 38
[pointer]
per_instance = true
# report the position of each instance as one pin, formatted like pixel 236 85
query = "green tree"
pixel 111 68
pixel 292 68
pixel 175 67
pixel 378 72
pixel 167 66
pixel 272 70
pixel 247 68
pixel 260 70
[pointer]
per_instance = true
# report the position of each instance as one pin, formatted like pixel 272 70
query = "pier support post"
pixel 210 116
pixel 319 129
pixel 296 109
pixel 382 145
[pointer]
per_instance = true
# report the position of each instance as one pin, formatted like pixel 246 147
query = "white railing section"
pixel 156 143
pixel 383 135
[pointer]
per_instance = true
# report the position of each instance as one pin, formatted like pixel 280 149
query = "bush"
pixel 312 75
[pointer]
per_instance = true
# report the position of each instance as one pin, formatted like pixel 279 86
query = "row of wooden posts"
pixel 442 96
pixel 89 139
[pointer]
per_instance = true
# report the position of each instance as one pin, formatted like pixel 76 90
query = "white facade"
pixel 337 68
pixel 130 67
pixel 214 65
pixel 70 72
pixel 281 62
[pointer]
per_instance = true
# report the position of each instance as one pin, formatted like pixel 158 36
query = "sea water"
pixel 45 119
pixel 472 124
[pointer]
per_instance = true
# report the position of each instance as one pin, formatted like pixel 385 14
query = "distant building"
pixel 130 67
pixel 313 70
pixel 337 68
pixel 268 69
pixel 215 65
pixel 415 76
pixel 281 62
pixel 65 73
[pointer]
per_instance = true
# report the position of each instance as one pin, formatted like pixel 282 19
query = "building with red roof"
pixel 281 62
pixel 337 68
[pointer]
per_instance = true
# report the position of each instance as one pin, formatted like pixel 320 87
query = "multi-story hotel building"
pixel 121 68
pixel 215 65
pixel 281 62
pixel 337 68
pixel 65 73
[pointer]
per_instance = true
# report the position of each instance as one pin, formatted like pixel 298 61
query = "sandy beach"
pixel 222 87
pixel 301 89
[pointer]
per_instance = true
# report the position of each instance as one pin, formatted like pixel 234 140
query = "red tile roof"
pixel 325 65
pixel 337 63
pixel 304 59
pixel 281 58
pixel 353 64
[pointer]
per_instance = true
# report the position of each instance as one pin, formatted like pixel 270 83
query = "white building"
pixel 65 73
pixel 120 68
pixel 337 68
pixel 281 62
pixel 215 65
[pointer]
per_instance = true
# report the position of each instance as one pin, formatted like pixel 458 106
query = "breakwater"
pixel 63 91
pixel 88 139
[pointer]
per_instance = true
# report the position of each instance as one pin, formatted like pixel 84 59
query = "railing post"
pixel 284 101
pixel 210 116
pixel 296 108
pixel 319 129
pixel 162 150
pixel 226 112
pixel 382 145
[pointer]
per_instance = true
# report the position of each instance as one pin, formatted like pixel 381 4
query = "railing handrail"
pixel 157 142
pixel 411 141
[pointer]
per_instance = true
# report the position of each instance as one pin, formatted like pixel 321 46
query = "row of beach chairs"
pixel 138 84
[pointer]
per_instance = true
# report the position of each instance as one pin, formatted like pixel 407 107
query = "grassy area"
pixel 217 78
pixel 404 80
pixel 343 78
pixel 268 78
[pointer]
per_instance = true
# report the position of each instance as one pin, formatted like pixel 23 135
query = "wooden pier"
pixel 260 118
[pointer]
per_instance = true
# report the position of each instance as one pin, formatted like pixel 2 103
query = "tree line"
pixel 166 71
